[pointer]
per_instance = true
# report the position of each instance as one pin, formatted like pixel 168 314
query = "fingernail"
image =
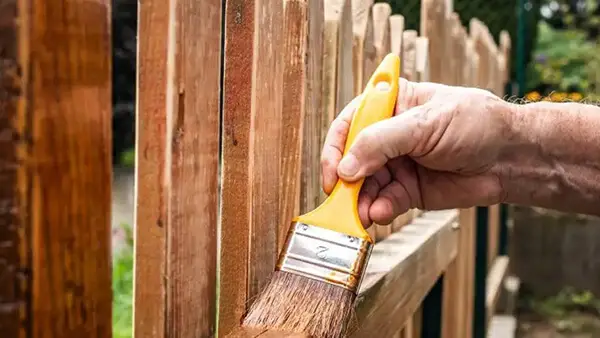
pixel 349 166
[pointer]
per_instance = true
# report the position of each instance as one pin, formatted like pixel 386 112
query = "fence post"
pixel 481 270
pixel 55 169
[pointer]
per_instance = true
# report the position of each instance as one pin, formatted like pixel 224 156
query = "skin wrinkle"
pixel 551 164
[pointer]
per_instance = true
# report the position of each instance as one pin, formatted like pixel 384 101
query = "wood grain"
pixel 382 43
pixel 311 146
pixel 252 108
pixel 178 152
pixel 56 172
pixel 363 50
pixel 456 278
pixel 338 79
pixel 433 14
pixel 401 270
pixel 292 115
pixel 15 230
pixel 409 56
pixel 151 153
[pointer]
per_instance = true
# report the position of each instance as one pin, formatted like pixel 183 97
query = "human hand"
pixel 439 151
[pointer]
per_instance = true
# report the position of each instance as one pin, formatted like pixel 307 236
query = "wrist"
pixel 521 151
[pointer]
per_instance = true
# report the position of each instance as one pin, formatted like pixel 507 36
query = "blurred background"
pixel 556 256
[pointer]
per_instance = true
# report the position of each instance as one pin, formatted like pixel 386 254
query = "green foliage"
pixel 128 158
pixel 564 60
pixel 565 302
pixel 123 287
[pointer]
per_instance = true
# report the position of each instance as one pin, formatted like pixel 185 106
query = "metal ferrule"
pixel 325 255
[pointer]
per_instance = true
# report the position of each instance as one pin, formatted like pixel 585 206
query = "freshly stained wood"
pixel 151 210
pixel 55 169
pixel 178 152
pixel 310 186
pixel 409 55
pixel 252 94
pixel 363 50
pixel 338 79
pixel 292 115
pixel 382 43
pixel 15 233
pixel 402 269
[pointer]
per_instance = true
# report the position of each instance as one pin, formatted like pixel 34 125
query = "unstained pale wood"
pixel 363 50
pixel 495 278
pixel 409 55
pixel 382 43
pixel 55 169
pixel 252 112
pixel 402 269
pixel 423 65
pixel 178 152
pixel 310 183
pixel 338 79
pixel 433 18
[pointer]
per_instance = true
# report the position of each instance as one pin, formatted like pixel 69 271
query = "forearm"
pixel 552 157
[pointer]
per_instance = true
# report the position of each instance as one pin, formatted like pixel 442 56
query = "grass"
pixel 122 283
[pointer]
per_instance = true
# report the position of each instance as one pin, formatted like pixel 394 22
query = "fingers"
pixel 369 192
pixel 384 140
pixel 333 148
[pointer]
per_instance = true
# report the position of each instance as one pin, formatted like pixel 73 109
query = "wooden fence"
pixel 234 100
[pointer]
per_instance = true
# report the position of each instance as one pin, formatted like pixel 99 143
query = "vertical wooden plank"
pixel 192 117
pixel 396 31
pixel 432 27
pixel 311 146
pixel 505 48
pixel 363 50
pixel 409 57
pixel 151 210
pixel 178 151
pixel 292 115
pixel 471 79
pixel 456 274
pixel 55 172
pixel 338 80
pixel 382 43
pixel 423 64
pixel 15 230
pixel 364 53
pixel 252 104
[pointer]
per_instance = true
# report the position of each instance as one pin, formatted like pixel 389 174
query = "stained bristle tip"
pixel 298 304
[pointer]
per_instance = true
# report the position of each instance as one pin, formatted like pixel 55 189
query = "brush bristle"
pixel 302 305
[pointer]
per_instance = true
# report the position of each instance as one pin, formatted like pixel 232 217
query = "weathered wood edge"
pixel 494 280
pixel 402 269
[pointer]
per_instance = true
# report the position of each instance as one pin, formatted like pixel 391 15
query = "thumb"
pixel 375 145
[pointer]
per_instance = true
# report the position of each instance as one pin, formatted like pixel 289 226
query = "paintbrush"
pixel 319 270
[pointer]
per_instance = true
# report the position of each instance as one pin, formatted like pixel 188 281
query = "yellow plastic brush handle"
pixel 339 212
